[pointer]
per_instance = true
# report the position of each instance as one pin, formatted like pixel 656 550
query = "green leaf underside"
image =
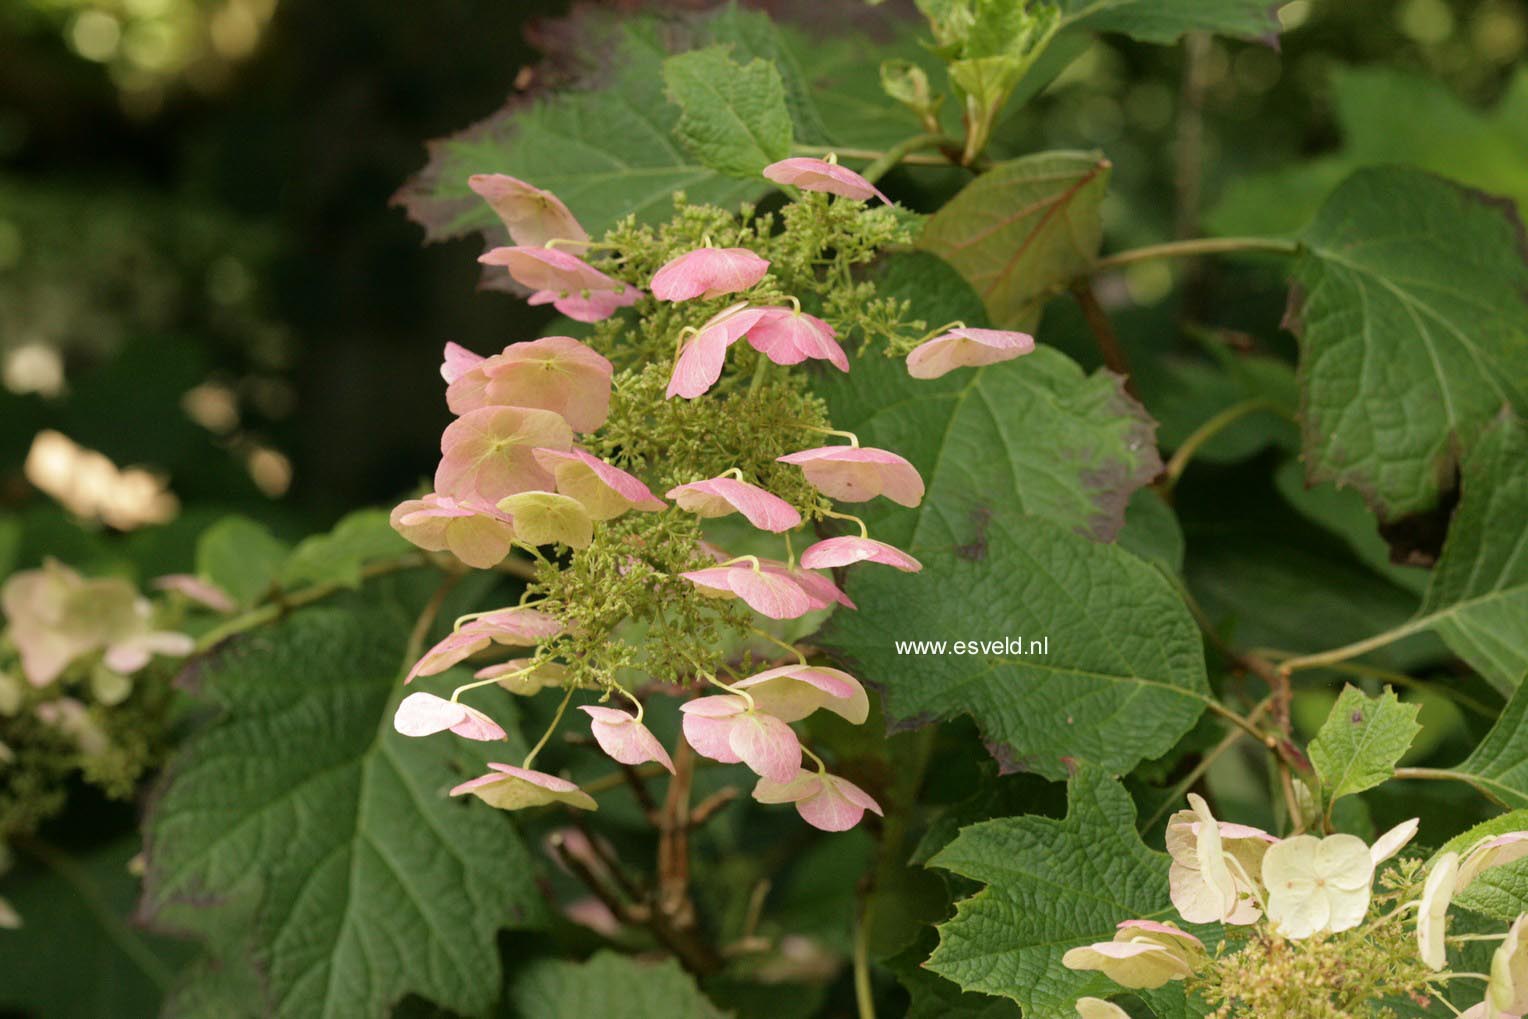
pixel 607 986
pixel 241 557
pixel 1362 740
pixel 1477 599
pixel 1022 228
pixel 1387 115
pixel 734 119
pixel 1164 21
pixel 1122 677
pixel 1051 885
pixel 372 884
pixel 1413 317
pixel 338 557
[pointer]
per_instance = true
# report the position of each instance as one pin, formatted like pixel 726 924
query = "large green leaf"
pixel 1037 434
pixel 340 556
pixel 1500 763
pixel 1051 885
pixel 1412 309
pixel 241 557
pixel 76 915
pixel 733 116
pixel 1477 600
pixel 1018 458
pixel 1387 115
pixel 609 985
pixel 302 831
pixel 1361 741
pixel 1021 229
pixel 1498 892
pixel 607 148
pixel 1163 21
pixel 1120 675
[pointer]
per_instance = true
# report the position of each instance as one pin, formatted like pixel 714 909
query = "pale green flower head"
pixel 1317 884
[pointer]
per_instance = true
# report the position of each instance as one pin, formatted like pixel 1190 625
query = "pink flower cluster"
pixel 510 473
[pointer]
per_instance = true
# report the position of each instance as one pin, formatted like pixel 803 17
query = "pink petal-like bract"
pixel 605 491
pixel 625 739
pixel 708 725
pixel 767 745
pixel 423 714
pixel 586 305
pixel 820 591
pixel 511 788
pixel 476 533
pixel 847 550
pixel 962 348
pixel 717 497
pixel 707 273
pixel 837 806
pixel 456 360
pixel 702 357
pixel 203 592
pixel 487 454
pixel 770 594
pixel 792 692
pixel 550 269
pixel 512 627
pixel 1161 928
pixel 824 801
pixel 857 474
pixel 810 174
pixel 533 216
pixel 786 336
pixel 555 373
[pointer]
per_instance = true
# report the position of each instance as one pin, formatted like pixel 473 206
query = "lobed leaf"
pixel 1051 885
pixel 1477 599
pixel 302 836
pixel 1361 741
pixel 733 116
pixel 1412 310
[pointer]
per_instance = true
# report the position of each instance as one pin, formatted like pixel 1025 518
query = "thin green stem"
pixel 864 531
pixel 790 648
pixel 633 698
pixel 899 152
pixel 274 610
pixel 1476 782
pixel 1194 247
pixel 853 439
pixel 1397 678
pixel 872 154
pixel 556 720
pixel 1361 647
pixel 864 993
pixel 1204 433
pixel 711 678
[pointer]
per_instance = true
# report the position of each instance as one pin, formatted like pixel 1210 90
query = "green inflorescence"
pixel 628 610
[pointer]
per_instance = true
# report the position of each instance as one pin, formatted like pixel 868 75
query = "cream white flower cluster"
pixel 1299 887
pixel 1238 875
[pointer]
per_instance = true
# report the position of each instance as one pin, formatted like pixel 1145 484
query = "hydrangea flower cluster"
pixel 560 446
pixel 72 698
pixel 57 620
pixel 1305 889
